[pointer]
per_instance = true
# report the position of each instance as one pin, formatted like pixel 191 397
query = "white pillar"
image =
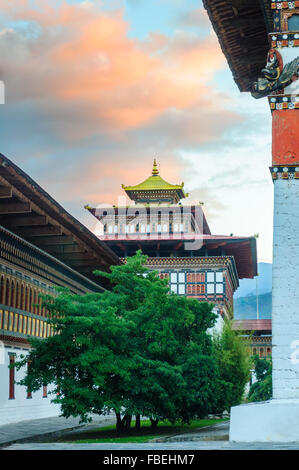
pixel 285 296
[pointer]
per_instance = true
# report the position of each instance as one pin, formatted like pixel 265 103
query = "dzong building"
pixel 41 247
pixel 178 241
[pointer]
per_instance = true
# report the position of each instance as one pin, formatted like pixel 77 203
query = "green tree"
pixel 234 364
pixel 261 390
pixel 136 350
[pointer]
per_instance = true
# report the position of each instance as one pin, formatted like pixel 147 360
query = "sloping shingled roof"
pixel 253 325
pixel 29 211
pixel 242 27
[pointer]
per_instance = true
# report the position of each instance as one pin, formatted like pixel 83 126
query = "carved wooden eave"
pixel 31 213
pixel 242 28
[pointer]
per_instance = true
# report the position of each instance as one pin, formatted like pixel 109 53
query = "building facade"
pixel 178 241
pixel 260 334
pixel 41 247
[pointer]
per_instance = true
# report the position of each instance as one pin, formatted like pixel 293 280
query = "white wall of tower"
pixel 285 297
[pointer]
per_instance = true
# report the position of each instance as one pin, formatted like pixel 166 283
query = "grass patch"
pixel 146 433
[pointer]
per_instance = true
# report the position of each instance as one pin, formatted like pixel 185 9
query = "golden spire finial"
pixel 155 171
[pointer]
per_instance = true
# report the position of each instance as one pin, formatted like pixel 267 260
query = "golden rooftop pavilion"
pixel 178 241
pixel 156 190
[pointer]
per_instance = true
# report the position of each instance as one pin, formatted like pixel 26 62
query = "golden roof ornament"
pixel 155 170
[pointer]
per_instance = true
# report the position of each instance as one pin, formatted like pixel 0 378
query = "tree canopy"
pixel 234 364
pixel 261 390
pixel 135 349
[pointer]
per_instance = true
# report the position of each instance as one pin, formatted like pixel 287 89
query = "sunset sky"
pixel 96 89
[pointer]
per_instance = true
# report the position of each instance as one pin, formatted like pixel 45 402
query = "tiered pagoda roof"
pixel 155 189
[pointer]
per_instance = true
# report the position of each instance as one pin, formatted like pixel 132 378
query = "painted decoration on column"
pixel 275 76
pixel 285 137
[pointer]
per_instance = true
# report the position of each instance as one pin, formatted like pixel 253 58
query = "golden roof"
pixel 155 184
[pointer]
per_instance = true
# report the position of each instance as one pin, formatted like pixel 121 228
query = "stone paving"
pixel 215 432
pixel 213 437
pixel 45 427
pixel 178 446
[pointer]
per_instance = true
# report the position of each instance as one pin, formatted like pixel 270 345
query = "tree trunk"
pixel 119 423
pixel 127 421
pixel 154 423
pixel 137 425
pixel 123 424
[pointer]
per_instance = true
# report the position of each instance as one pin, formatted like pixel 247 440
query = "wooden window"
pixel 24 325
pixel 11 377
pixel 30 307
pixel 21 304
pixel 29 325
pixel 39 309
pixel 2 289
pixel 5 321
pixel 293 22
pixel 33 327
pixel 6 293
pixel 16 315
pixel 26 299
pixel 17 303
pixel 210 288
pixel 12 294
pixel 10 328
pixel 219 288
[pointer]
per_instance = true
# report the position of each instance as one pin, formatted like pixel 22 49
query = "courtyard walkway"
pixel 30 436
pixel 41 428
pixel 178 446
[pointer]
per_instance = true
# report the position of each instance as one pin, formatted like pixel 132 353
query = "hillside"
pixel 246 307
pixel 263 281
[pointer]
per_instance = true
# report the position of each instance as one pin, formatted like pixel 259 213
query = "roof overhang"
pixel 242 28
pixel 30 212
pixel 243 249
pixel 253 325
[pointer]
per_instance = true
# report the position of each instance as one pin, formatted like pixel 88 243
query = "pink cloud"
pixel 83 77
pixel 83 57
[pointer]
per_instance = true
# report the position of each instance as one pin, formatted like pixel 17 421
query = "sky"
pixel 94 90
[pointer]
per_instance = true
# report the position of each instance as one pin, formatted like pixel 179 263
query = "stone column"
pixel 278 419
pixel 285 175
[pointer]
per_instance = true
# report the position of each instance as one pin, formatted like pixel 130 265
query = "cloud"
pixel 196 18
pixel 88 108
pixel 77 61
